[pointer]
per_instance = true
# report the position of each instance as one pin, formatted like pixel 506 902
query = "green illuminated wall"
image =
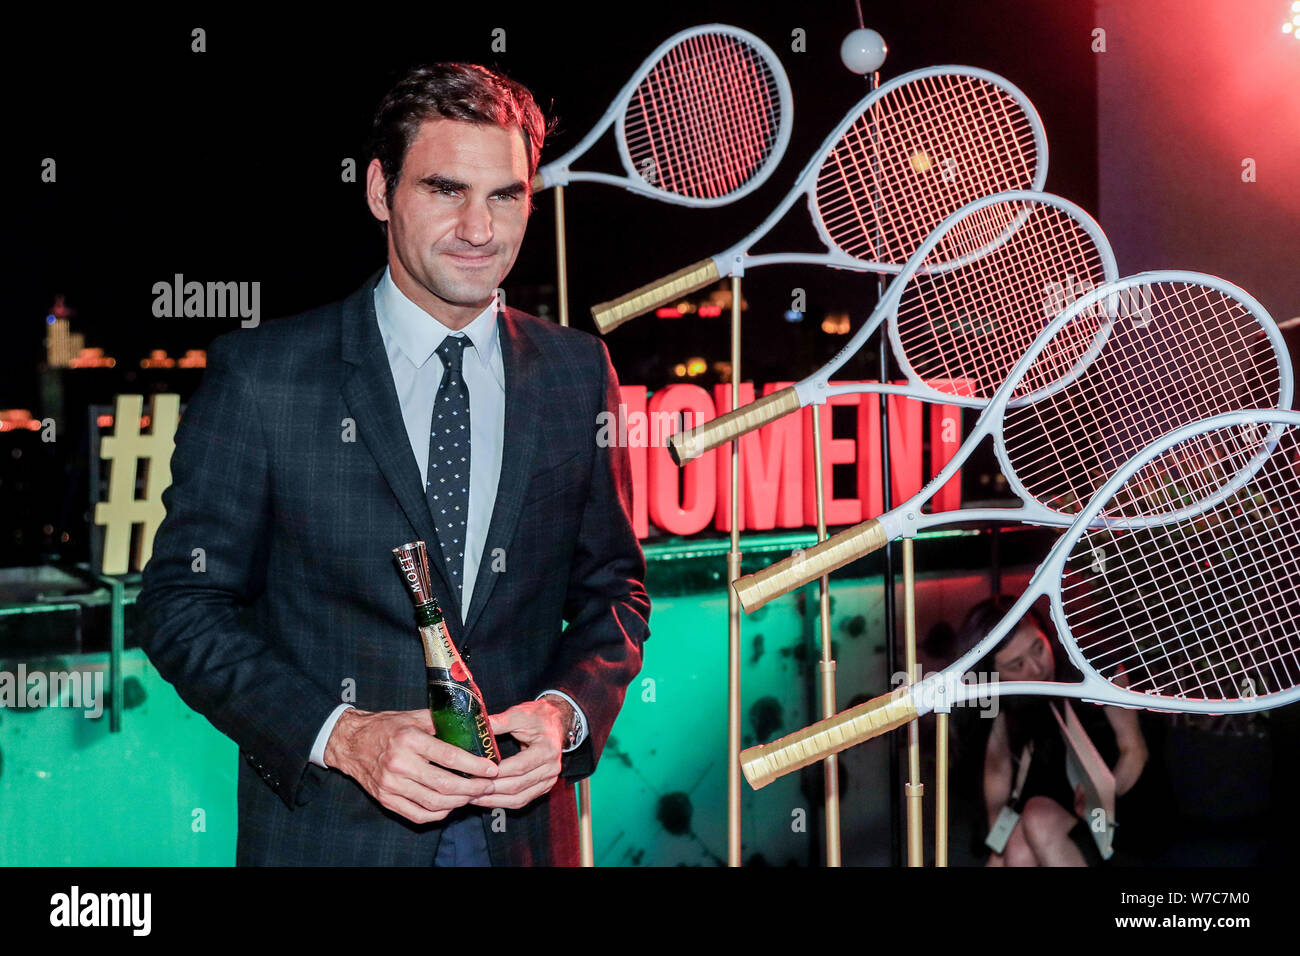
pixel 159 793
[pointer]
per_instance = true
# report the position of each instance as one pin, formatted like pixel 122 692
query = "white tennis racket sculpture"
pixel 1194 608
pixel 703 121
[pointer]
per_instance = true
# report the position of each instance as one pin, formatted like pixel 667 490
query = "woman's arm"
pixel 997 770
pixel 1132 747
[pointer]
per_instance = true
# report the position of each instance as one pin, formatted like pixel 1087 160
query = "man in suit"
pixel 414 409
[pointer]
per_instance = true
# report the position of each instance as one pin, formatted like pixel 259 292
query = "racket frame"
pixel 907 519
pixel 816 388
pixel 735 260
pixel 939 692
pixel 559 173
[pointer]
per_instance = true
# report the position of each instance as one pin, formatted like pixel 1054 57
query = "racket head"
pixel 1125 364
pixel 1200 613
pixel 916 150
pixel 986 283
pixel 704 120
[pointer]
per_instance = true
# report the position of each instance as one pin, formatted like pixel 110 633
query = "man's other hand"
pixel 539 726
pixel 398 761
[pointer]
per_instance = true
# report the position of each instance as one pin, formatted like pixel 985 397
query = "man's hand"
pixel 393 754
pixel 1080 802
pixel 539 726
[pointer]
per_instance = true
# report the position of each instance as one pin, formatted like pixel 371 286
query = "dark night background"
pixel 226 166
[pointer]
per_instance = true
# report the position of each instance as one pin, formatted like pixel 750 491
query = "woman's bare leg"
pixel 1047 825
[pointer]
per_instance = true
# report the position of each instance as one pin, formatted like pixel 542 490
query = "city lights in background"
pixel 106 421
pixel 158 359
pixel 14 419
pixel 67 349
pixel 1292 26
pixel 836 323
pixel 193 358
pixel 718 302
pixel 92 358
pixel 706 310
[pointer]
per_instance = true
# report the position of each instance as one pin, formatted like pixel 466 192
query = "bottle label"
pixel 486 741
pixel 439 651
pixel 459 716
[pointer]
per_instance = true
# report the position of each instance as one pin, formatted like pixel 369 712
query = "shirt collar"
pixel 418 334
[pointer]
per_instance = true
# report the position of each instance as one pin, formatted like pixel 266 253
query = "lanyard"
pixel 1025 756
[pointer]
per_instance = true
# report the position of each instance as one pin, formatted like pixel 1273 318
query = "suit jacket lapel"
pixel 523 400
pixel 371 397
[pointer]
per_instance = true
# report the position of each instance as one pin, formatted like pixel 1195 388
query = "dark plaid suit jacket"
pixel 294 476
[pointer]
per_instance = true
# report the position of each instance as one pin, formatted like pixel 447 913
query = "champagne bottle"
pixel 455 702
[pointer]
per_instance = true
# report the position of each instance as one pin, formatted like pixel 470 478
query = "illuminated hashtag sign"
pixel 122 511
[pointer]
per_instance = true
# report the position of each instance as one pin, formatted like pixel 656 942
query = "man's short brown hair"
pixel 458 91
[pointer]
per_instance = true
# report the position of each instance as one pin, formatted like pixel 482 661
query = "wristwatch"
pixel 574 725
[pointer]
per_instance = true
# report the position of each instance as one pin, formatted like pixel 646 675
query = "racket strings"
pixel 705 118
pixel 1202 585
pixel 678 117
pixel 971 166
pixel 1206 607
pixel 972 322
pixel 1168 355
pixel 692 86
pixel 974 160
pixel 922 151
pixel 1179 624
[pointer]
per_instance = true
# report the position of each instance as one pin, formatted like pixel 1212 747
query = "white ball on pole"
pixel 863 51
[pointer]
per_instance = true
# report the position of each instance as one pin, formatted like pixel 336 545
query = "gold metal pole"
pixel 586 841
pixel 561 264
pixel 941 790
pixel 733 605
pixel 915 790
pixel 586 849
pixel 831 764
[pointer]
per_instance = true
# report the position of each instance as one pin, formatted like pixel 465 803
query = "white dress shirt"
pixel 411 337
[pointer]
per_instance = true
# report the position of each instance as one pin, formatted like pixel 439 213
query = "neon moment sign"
pixel 776 461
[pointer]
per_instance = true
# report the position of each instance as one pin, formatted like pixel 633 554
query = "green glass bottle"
pixel 455 702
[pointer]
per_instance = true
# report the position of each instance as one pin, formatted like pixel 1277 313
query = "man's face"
pixel 458 216
pixel 1027 656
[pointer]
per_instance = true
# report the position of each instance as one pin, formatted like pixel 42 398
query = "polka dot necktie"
pixel 447 484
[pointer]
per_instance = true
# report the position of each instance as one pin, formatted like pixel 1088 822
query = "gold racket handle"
pixel 538 185
pixel 764 763
pixel 694 442
pixel 785 575
pixel 610 315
